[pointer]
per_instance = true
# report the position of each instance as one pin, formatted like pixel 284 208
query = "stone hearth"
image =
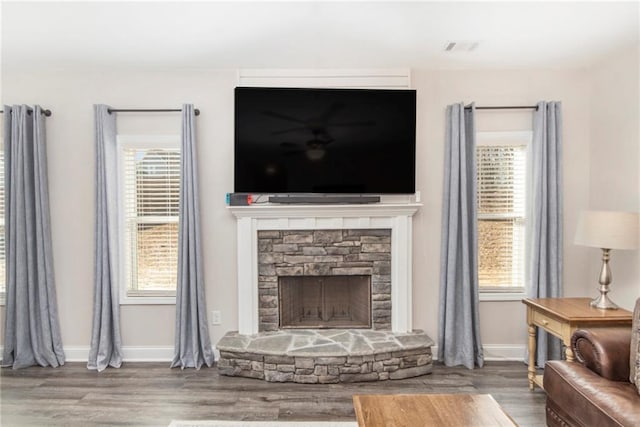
pixel 325 356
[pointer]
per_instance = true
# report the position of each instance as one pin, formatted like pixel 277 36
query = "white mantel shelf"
pixel 297 211
pixel 394 216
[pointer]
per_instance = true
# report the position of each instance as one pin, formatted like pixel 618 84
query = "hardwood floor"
pixel 141 394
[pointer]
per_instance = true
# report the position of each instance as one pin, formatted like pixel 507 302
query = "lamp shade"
pixel 608 229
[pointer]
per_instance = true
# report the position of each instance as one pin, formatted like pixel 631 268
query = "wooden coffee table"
pixel 441 410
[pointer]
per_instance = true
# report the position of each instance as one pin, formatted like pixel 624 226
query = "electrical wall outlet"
pixel 216 317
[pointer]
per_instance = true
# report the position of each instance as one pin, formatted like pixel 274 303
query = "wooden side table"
pixel 561 317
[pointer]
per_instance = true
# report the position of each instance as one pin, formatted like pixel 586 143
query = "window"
pixel 149 172
pixel 501 192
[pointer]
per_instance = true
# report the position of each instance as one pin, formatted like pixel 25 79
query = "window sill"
pixel 141 299
pixel 501 296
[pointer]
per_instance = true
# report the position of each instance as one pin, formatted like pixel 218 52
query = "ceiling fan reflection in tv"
pixel 317 127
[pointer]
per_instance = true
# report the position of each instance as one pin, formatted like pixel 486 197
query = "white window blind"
pixel 501 215
pixel 151 196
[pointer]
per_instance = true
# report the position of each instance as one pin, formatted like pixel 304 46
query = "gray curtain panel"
pixel 458 326
pixel 32 332
pixel 544 268
pixel 106 345
pixel 192 341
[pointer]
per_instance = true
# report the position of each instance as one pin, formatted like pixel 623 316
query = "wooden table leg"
pixel 569 353
pixel 532 356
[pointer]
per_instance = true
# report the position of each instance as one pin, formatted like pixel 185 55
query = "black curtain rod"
pixel 514 107
pixel 144 110
pixel 47 113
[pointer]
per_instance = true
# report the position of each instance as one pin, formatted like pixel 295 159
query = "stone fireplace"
pixel 339 278
pixel 324 295
pixel 251 220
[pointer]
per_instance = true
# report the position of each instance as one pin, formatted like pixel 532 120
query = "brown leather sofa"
pixel 595 389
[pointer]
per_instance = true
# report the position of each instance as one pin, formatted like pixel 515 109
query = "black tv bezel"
pixel 311 193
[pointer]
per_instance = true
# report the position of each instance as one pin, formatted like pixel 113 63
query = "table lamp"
pixel 607 230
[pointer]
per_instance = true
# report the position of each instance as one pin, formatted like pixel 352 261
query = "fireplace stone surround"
pixel 378 239
pixel 324 253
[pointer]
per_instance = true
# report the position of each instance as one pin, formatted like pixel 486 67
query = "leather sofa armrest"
pixel 604 351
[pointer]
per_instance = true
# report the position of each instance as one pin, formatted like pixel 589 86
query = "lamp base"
pixel 603 302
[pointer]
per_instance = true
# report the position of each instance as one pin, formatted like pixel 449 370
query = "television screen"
pixel 328 141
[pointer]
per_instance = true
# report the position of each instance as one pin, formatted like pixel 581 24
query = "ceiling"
pixel 306 34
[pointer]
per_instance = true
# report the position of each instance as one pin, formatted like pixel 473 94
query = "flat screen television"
pixel 324 141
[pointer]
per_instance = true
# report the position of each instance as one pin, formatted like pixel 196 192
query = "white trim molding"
pixel 501 296
pixel 397 217
pixel 497 352
pixel 80 353
pixel 379 78
pixel 129 353
pixel 505 352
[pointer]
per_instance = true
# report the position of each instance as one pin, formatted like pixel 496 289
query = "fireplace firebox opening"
pixel 325 302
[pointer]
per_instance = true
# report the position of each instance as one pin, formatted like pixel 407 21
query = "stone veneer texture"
pixel 326 356
pixel 324 253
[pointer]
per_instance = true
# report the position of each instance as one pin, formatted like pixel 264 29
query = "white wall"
pixel 70 95
pixel 615 162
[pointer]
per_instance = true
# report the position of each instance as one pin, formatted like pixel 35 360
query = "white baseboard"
pixel 506 352
pixel 76 353
pixel 129 353
pixel 492 353
pixel 497 352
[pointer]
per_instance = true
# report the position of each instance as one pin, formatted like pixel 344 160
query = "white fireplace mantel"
pixel 396 216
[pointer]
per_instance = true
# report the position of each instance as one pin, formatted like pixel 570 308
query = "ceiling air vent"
pixel 461 46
